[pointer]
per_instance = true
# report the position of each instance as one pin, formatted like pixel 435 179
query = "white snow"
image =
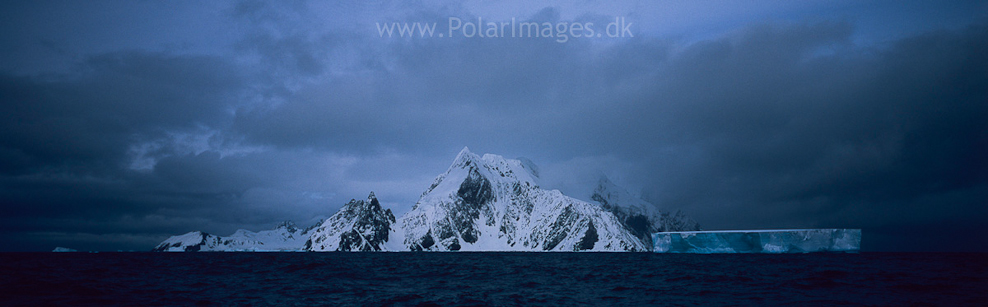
pixel 520 217
pixel 286 237
pixel 507 211
pixel 327 236
pixel 357 226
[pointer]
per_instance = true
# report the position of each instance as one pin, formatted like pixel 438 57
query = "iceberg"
pixel 758 241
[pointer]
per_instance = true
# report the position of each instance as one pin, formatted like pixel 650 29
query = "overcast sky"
pixel 125 122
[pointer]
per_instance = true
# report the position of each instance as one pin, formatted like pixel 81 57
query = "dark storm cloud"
pixel 853 137
pixel 774 124
pixel 89 118
pixel 425 94
pixel 65 138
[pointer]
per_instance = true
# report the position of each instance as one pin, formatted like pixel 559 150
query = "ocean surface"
pixel 207 279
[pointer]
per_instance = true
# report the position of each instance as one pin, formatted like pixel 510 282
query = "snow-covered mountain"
pixel 490 203
pixel 361 225
pixel 486 203
pixel 286 237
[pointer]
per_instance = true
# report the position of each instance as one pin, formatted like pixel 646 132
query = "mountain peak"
pixel 481 203
pixel 464 154
pixel 361 225
pixel 465 159
pixel 490 203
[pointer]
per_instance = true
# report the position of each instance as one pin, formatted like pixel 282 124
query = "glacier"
pixel 758 241
pixel 286 237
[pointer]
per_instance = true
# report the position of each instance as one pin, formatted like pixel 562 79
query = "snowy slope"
pixel 286 237
pixel 641 217
pixel 360 225
pixel 494 204
pixel 486 203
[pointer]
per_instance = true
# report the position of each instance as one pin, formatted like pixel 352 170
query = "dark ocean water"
pixel 492 279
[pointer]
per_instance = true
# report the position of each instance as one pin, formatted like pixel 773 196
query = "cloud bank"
pixel 292 110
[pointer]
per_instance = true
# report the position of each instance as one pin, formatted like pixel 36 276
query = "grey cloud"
pixel 773 125
pixel 897 130
pixel 92 116
pixel 782 125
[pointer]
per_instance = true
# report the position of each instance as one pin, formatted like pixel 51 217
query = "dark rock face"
pixel 349 240
pixel 560 228
pixel 164 247
pixel 370 229
pixel 475 190
pixel 475 193
pixel 473 199
pixel 424 244
pixel 640 227
pixel 193 248
pixel 427 241
pixel 589 238
pixel 492 203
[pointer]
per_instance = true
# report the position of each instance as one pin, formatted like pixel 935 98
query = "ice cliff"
pixel 759 241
